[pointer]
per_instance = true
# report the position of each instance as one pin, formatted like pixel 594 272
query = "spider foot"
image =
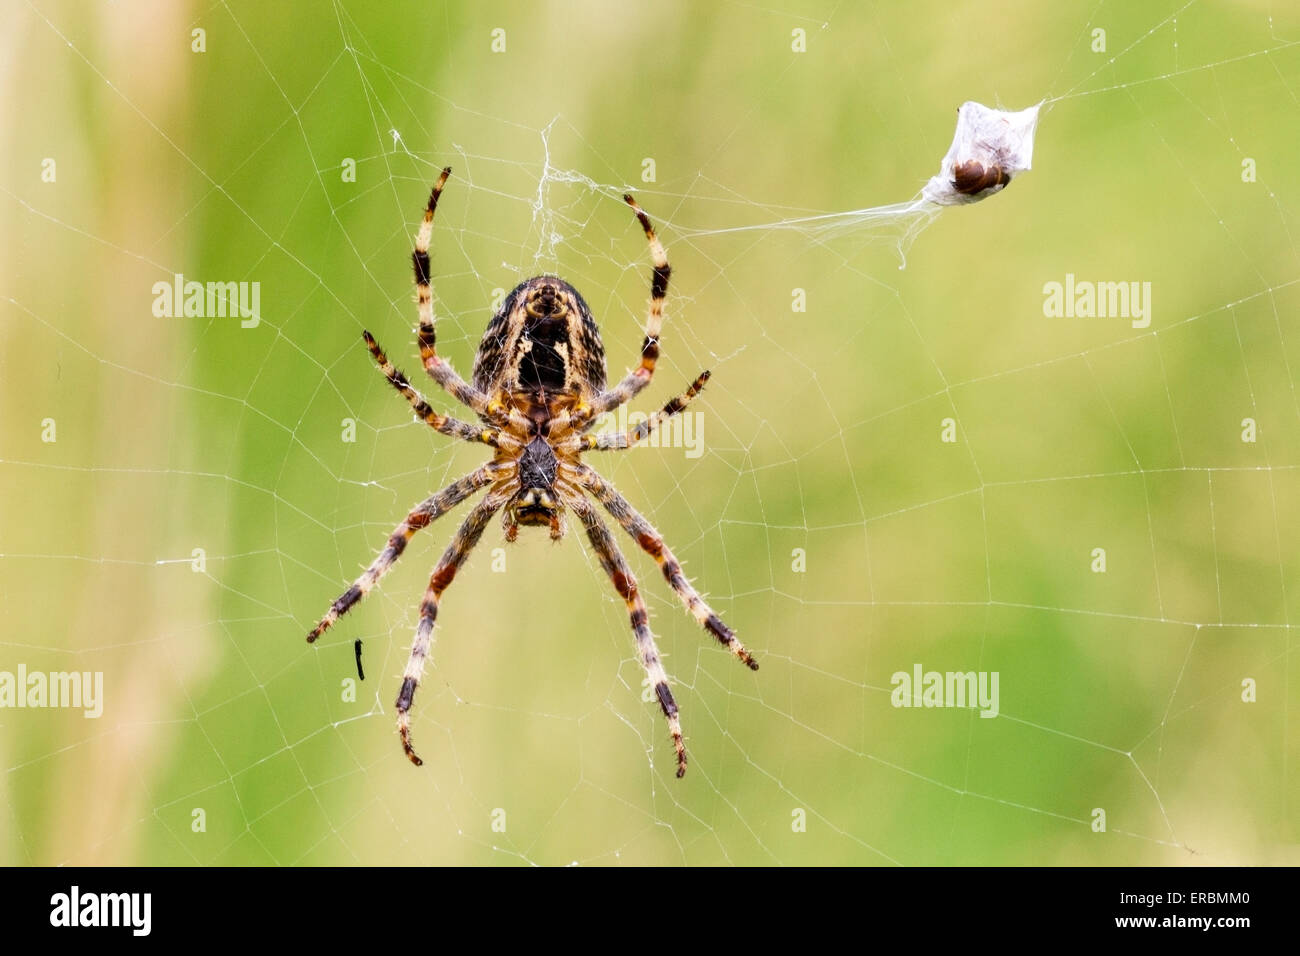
pixel 321 628
pixel 727 637
pixel 345 601
pixel 404 730
pixel 404 699
pixel 674 728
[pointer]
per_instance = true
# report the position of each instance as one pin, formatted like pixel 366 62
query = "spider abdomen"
pixel 544 354
pixel 542 338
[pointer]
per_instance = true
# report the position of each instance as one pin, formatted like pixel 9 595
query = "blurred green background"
pixel 1120 691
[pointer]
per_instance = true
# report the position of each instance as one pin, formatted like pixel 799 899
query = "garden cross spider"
pixel 538 385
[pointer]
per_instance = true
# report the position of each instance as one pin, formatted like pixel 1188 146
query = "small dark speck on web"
pixel 357 647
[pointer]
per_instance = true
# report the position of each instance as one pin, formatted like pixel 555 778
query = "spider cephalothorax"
pixel 536 501
pixel 538 386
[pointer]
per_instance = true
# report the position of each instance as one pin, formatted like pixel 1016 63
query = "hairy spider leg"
pixel 462 544
pixel 431 508
pixel 616 566
pixel 652 543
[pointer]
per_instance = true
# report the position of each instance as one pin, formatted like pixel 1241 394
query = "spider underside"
pixel 537 386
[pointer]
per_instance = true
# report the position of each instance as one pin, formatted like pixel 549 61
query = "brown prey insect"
pixel 537 387
pixel 972 177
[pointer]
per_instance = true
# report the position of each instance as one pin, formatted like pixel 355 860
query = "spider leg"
pixel 639 377
pixel 442 373
pixel 426 511
pixel 616 566
pixel 653 544
pixel 467 536
pixel 423 411
pixel 607 441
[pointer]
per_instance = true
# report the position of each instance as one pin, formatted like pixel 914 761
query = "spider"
pixel 538 385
